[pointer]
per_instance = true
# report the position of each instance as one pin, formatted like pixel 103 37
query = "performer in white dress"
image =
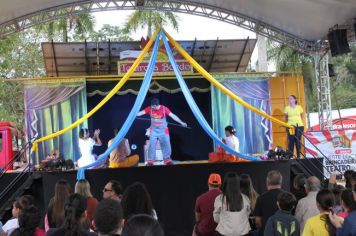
pixel 230 139
pixel 86 145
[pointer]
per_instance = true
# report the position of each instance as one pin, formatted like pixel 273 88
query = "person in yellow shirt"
pixel 320 225
pixel 294 116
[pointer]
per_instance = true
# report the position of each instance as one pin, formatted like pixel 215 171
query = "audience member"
pixel 353 181
pixel 74 218
pixel 283 222
pixel 321 224
pixel 348 203
pixel 204 208
pixel 337 208
pixel 348 179
pixel 82 187
pixel 232 208
pixel 306 206
pixel 299 186
pixel 137 200
pixel 348 226
pixel 55 210
pixel 20 204
pixel 113 190
pixel 142 225
pixel 266 204
pixel 29 220
pixel 108 217
pixel 247 188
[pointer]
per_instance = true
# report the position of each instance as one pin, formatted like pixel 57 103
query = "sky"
pixel 190 27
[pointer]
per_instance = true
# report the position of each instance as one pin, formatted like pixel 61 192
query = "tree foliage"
pixel 343 86
pixel 151 19
pixel 21 57
pixel 112 33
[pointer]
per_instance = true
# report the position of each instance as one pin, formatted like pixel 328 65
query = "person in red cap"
pixel 204 207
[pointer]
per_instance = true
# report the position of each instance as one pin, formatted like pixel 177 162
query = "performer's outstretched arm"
pixel 141 113
pixel 176 118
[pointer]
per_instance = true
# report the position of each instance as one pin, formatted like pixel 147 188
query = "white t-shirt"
pixel 86 148
pixel 232 223
pixel 10 226
pixel 233 142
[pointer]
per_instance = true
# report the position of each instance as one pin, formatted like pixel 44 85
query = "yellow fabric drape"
pixel 226 91
pixel 107 98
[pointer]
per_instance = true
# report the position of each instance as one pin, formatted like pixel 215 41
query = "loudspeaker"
pixel 338 42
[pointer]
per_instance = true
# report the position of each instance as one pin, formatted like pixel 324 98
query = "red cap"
pixel 214 179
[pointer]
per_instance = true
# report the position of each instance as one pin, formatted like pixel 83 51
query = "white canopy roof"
pixel 306 19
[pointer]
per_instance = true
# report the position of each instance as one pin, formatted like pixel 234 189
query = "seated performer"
pixel 230 140
pixel 120 156
pixel 86 145
pixel 159 130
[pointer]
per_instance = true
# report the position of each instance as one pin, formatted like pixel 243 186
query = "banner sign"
pixel 161 67
pixel 339 147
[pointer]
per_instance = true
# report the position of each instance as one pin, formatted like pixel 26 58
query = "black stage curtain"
pixel 173 189
pixel 187 144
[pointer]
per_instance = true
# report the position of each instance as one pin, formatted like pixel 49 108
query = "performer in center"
pixel 159 130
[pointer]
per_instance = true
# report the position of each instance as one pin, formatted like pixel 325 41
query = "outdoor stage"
pixel 173 188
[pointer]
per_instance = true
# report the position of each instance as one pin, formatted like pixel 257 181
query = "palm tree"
pixel 74 27
pixel 152 19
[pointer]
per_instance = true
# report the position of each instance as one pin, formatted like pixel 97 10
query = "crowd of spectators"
pixel 230 207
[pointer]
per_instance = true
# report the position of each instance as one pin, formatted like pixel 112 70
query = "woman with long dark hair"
pixel 321 224
pixel 55 211
pixel 29 220
pixel 137 200
pixel 348 203
pixel 232 208
pixel 142 225
pixel 75 218
pixel 19 205
pixel 347 227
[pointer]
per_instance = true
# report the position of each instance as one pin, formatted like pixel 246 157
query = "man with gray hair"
pixel 266 204
pixel 306 206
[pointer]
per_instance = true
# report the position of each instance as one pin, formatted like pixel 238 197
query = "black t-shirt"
pixel 266 205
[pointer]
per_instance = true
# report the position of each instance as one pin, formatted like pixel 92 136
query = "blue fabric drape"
pixel 253 131
pixel 131 118
pixel 193 106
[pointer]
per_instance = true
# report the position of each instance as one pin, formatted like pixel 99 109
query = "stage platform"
pixel 173 188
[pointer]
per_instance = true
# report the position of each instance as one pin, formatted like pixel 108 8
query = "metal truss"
pixel 199 9
pixel 323 91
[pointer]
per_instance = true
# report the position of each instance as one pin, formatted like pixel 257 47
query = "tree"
pixel 65 29
pixel 288 59
pixel 150 19
pixel 20 58
pixel 342 86
pixel 112 33
pixel 344 83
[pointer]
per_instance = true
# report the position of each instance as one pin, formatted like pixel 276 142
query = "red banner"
pixel 160 67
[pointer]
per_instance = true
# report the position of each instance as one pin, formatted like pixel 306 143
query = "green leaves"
pixel 151 19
